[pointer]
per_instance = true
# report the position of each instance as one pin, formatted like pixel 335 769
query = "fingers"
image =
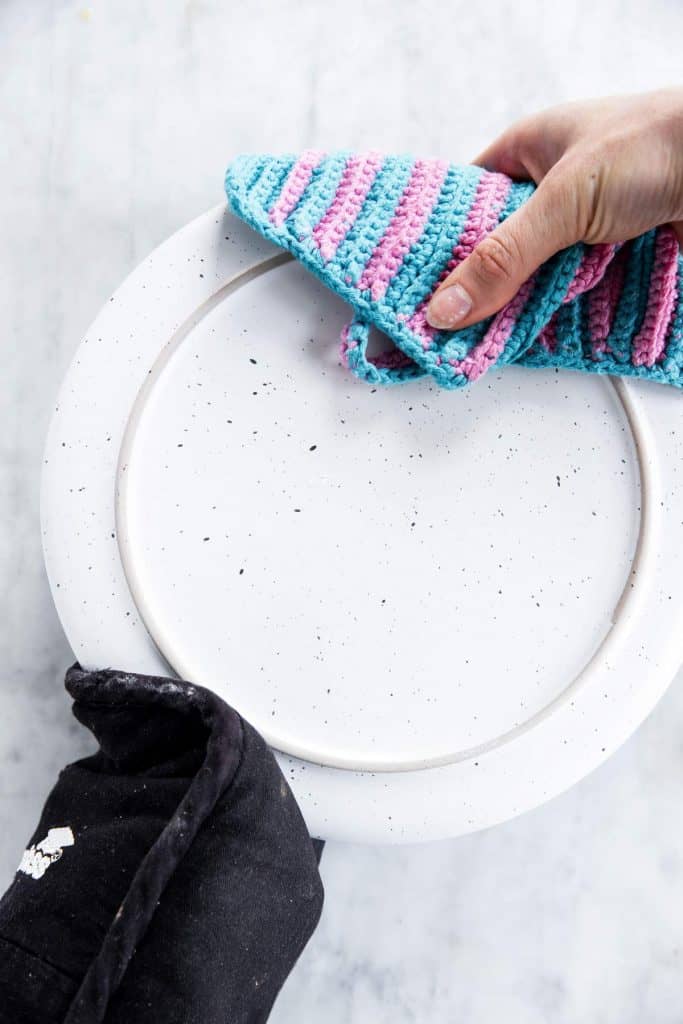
pixel 504 156
pixel 490 277
pixel 528 149
pixel 601 168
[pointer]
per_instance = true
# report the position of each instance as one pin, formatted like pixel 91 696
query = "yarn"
pixel 384 231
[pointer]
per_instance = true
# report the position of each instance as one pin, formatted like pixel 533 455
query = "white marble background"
pixel 116 121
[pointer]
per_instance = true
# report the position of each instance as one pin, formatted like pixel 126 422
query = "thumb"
pixel 497 268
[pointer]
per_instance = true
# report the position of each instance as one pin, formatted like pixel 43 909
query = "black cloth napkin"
pixel 171 876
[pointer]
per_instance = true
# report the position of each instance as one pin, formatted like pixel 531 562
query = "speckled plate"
pixel 440 608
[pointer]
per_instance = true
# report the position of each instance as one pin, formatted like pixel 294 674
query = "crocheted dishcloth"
pixel 384 231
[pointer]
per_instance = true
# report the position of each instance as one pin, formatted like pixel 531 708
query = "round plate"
pixel 439 608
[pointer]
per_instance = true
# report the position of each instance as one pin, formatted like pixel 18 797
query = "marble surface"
pixel 117 122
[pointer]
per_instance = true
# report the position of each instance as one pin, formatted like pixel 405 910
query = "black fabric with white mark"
pixel 171 876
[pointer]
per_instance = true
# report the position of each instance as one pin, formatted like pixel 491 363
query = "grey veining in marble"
pixel 117 120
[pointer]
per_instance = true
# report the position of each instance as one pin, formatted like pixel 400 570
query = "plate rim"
pixel 422 792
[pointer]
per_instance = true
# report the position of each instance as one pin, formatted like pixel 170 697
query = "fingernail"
pixel 448 307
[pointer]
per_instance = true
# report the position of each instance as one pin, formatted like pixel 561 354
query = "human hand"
pixel 607 170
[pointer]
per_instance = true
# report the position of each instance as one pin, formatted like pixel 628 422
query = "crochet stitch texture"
pixel 384 231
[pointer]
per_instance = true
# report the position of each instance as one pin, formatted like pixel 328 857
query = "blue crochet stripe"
pixel 423 262
pixel 268 185
pixel 318 197
pixel 629 304
pixel 374 218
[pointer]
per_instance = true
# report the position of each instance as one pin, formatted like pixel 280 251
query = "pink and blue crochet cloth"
pixel 384 231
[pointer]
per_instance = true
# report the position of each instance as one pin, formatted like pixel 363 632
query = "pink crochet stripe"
pixel 295 186
pixel 489 199
pixel 492 191
pixel 492 344
pixel 547 339
pixel 391 359
pixel 650 342
pixel 346 345
pixel 359 174
pixel 591 269
pixel 603 301
pixel 407 224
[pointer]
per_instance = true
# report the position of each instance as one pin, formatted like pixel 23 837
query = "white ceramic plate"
pixel 440 608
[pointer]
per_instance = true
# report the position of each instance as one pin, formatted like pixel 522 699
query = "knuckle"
pixel 579 191
pixel 495 259
pixel 525 138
